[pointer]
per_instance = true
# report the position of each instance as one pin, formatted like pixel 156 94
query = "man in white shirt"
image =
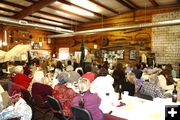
pixel 19 108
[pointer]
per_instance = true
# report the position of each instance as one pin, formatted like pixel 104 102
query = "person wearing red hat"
pixel 18 109
pixel 90 76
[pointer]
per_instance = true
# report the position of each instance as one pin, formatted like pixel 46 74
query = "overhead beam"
pixel 72 4
pixel 68 12
pixel 33 8
pixel 154 3
pixel 105 7
pixel 125 4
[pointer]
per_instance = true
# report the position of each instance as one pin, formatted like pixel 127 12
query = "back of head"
pixel 69 62
pixel 169 67
pixel 103 72
pixel 59 65
pixel 87 68
pixel 63 77
pixel 39 76
pixel 138 66
pixel 153 79
pixel 73 76
pixel 18 69
pixel 131 77
pixel 83 85
pixel 119 66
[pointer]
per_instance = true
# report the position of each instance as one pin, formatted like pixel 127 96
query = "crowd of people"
pixel 86 87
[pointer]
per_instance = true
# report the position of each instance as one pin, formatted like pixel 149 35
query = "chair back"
pixel 81 114
pixel 56 107
pixel 54 103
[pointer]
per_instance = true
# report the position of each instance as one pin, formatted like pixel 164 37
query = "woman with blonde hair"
pixel 130 83
pixel 88 100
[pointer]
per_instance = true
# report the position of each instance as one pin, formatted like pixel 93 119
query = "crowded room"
pixel 89 59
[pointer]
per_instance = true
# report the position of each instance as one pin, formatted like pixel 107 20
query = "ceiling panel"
pixel 114 5
pixel 143 3
pixel 55 18
pixel 20 2
pixel 92 6
pixel 9 7
pixel 6 13
pixel 166 2
pixel 49 10
pixel 75 10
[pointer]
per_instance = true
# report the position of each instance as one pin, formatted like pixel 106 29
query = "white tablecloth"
pixel 139 109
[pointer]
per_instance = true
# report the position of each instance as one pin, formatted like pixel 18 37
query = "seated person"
pixel 165 80
pixel 41 89
pixel 19 108
pixel 88 100
pixel 102 84
pixel 151 87
pixel 130 83
pixel 64 94
pixel 39 77
pixel 20 78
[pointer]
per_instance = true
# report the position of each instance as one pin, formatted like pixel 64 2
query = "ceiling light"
pixel 77 10
pixel 86 4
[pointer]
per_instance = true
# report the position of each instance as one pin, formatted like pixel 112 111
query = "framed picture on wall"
pixel 132 54
pixel 120 54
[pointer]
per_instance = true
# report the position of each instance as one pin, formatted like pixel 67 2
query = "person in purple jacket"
pixel 88 100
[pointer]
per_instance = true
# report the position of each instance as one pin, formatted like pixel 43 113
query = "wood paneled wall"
pixel 138 39
pixel 23 35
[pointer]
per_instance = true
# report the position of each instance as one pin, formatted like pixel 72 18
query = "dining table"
pixel 135 108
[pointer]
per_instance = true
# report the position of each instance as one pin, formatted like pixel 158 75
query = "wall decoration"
pixel 120 54
pixel 132 54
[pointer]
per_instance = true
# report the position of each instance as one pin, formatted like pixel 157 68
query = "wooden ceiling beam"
pixel 105 7
pixel 72 4
pixel 125 4
pixel 33 8
pixel 154 3
pixel 68 12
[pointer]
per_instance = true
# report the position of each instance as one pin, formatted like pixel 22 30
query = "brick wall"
pixel 166 40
